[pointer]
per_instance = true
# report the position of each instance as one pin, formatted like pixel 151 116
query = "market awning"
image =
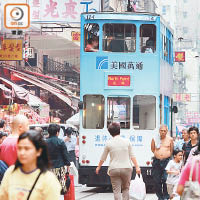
pixel 49 88
pixel 6 92
pixel 21 93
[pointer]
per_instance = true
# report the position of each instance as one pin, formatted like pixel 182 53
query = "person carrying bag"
pixel 188 187
pixel 192 188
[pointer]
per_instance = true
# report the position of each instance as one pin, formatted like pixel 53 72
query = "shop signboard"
pixel 11 50
pixel 76 36
pixel 180 56
pixel 60 11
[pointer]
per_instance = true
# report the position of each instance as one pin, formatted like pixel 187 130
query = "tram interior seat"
pixel 117 44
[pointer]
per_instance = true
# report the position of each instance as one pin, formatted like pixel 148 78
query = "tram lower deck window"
pixel 119 111
pixel 119 37
pixel 93 113
pixel 144 112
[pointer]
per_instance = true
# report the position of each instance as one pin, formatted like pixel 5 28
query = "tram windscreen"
pixel 119 37
pixel 144 112
pixel 93 113
pixel 119 111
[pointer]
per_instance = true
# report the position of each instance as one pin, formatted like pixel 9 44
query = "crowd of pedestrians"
pixel 173 162
pixel 32 167
pixel 35 167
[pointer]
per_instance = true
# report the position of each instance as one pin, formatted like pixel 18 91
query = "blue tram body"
pixel 125 76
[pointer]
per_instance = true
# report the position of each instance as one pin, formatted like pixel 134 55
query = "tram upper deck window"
pixel 144 112
pixel 91 37
pixel 148 38
pixel 119 37
pixel 93 113
pixel 119 111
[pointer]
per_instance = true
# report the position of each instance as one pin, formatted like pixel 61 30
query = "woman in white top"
pixel 121 162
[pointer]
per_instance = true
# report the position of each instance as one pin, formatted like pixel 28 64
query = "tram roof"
pixel 130 13
pixel 122 13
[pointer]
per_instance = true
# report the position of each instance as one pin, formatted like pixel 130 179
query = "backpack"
pixel 192 188
pixel 3 168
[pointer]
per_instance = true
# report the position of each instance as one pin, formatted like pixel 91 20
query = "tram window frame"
pixel 148 38
pixel 93 113
pixel 144 105
pixel 124 123
pixel 91 37
pixel 118 37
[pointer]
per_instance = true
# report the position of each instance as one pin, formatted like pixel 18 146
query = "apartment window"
pixel 185 29
pixel 184 14
pixel 164 10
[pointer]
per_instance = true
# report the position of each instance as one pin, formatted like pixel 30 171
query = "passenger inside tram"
pixel 92 44
pixel 148 38
pixel 117 44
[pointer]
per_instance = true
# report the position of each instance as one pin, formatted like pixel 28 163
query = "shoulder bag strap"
pixel 197 170
pixel 33 185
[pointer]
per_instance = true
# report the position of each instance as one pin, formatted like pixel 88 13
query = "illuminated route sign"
pixel 119 80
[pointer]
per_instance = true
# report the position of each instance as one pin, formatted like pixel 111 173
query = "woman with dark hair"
pixel 30 178
pixel 58 156
pixel 121 162
pixel 187 147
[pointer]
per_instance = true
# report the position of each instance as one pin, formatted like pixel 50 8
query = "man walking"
pixel 162 147
pixel 8 149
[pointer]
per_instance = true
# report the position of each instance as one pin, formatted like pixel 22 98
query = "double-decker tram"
pixel 125 77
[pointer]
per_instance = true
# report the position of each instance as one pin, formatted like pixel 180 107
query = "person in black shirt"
pixel 194 134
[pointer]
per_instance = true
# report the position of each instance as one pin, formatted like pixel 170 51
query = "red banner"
pixel 119 80
pixel 180 56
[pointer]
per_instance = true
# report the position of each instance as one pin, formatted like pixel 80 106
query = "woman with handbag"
pixel 29 178
pixel 58 156
pixel 189 182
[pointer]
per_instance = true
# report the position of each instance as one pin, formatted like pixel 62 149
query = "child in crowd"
pixel 173 170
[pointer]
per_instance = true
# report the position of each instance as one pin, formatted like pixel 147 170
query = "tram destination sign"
pixel 119 80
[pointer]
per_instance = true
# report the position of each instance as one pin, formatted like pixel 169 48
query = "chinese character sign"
pixel 182 97
pixel 76 36
pixel 11 49
pixel 57 10
pixel 180 56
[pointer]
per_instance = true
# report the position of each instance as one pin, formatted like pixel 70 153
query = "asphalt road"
pixel 88 193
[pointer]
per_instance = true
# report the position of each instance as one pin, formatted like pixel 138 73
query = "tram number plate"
pixel 90 17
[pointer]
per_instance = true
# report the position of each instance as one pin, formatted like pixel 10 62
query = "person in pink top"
pixel 8 151
pixel 185 173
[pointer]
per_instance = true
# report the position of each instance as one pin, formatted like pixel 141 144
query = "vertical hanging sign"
pixel 26 47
